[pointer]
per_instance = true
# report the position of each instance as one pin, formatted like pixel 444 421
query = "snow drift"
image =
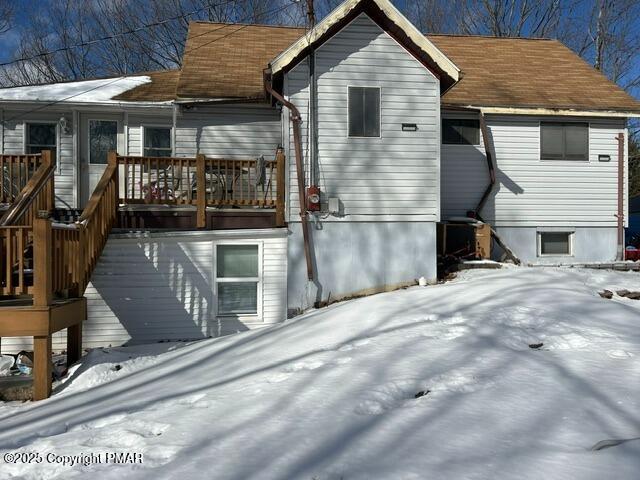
pixel 436 382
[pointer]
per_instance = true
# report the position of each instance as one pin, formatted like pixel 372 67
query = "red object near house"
pixel 632 253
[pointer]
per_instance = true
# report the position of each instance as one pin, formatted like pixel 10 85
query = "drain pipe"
pixel 488 151
pixel 297 121
pixel 621 182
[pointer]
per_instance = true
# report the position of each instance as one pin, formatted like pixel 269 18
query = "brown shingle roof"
pixel 227 60
pixel 517 72
pixel 162 88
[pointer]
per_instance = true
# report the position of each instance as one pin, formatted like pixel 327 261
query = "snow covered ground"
pixel 331 394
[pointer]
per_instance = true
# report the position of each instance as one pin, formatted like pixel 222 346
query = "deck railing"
pixel 46 259
pixel 96 221
pixel 15 172
pixel 15 261
pixel 203 182
pixel 36 195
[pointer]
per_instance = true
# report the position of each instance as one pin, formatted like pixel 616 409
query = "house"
pixel 365 133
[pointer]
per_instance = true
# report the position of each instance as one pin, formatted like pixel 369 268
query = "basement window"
pixel 564 141
pixel 555 243
pixel 41 136
pixel 364 111
pixel 460 131
pixel 157 142
pixel 237 278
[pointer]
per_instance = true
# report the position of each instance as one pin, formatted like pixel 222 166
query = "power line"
pixel 55 102
pixel 115 35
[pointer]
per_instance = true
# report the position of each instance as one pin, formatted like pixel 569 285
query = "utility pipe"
pixel 621 184
pixel 297 121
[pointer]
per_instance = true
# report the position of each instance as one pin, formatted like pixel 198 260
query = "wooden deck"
pixel 45 266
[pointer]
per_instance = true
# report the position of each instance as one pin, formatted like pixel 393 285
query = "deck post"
pixel 42 263
pixel 47 159
pixel 74 343
pixel 201 192
pixel 280 188
pixel 112 160
pixel 41 367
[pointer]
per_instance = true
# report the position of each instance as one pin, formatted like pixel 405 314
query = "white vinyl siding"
pixel 531 191
pixel 241 132
pixel 15 143
pixel 161 287
pixel 395 176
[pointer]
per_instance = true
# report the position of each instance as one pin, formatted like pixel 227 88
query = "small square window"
pixel 157 142
pixel 41 136
pixel 564 141
pixel 237 279
pixel 364 112
pixel 460 131
pixel 555 243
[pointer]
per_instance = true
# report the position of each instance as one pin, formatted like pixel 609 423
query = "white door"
pixel 99 134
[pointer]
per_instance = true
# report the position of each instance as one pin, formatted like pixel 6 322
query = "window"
pixel 157 141
pixel 237 279
pixel 41 136
pixel 564 141
pixel 364 112
pixel 460 131
pixel 554 243
pixel 103 137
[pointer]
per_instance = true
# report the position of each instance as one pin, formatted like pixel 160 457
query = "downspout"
pixel 174 121
pixel 621 182
pixel 297 121
pixel 488 151
pixel 490 164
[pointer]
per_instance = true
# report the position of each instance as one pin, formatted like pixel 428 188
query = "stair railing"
pixel 36 195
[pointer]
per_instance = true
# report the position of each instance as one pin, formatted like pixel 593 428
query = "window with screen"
pixel 460 131
pixel 157 141
pixel 103 137
pixel 364 112
pixel 41 136
pixel 237 279
pixel 555 243
pixel 564 141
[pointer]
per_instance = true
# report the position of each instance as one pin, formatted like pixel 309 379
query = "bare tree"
pixel 107 37
pixel 7 14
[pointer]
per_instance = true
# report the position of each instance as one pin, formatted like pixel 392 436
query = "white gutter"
pixel 54 103
pixel 546 111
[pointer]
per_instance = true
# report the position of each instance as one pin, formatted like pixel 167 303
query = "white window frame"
pixel 89 120
pixel 25 130
pixel 540 122
pixel 571 234
pixel 143 129
pixel 249 317
pixel 379 88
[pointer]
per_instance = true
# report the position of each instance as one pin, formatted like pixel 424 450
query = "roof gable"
pixel 527 73
pixel 389 19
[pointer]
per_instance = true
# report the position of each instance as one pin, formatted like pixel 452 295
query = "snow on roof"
pixel 86 91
